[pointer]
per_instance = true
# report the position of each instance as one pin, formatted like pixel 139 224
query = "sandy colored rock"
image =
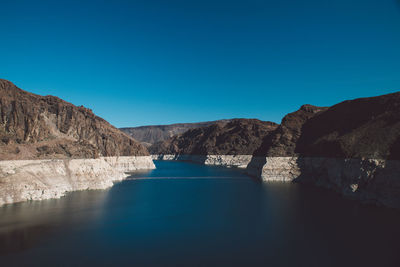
pixel 22 180
pixel 238 161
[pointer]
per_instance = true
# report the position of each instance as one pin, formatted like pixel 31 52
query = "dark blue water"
pixel 186 214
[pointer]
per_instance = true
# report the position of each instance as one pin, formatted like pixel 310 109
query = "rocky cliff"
pixel 360 128
pixel 149 135
pixel 33 126
pixel 237 137
pixel 22 180
pixel 283 140
pixel 352 147
pixel 49 147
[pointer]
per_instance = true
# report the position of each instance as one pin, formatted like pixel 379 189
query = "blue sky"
pixel 157 62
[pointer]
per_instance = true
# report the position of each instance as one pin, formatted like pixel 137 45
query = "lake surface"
pixel 185 214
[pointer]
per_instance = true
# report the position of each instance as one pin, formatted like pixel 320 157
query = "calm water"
pixel 184 214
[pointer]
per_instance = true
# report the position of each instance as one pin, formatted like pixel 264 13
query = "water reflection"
pixel 23 225
pixel 221 218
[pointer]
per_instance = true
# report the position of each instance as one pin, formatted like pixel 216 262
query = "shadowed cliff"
pixel 237 137
pixel 360 128
pixel 152 134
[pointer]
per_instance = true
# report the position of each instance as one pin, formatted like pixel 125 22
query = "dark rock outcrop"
pixel 352 148
pixel 152 134
pixel 283 141
pixel 33 126
pixel 237 137
pixel 360 128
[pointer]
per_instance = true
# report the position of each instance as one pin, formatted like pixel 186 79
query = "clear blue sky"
pixel 156 62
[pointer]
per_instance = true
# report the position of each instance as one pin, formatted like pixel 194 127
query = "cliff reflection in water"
pixel 23 225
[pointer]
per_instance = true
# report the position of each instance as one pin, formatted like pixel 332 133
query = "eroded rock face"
pixel 33 126
pixel 237 137
pixel 371 180
pixel 360 128
pixel 49 147
pixel 352 148
pixel 284 140
pixel 152 134
pixel 22 180
pixel 282 169
pixel 238 161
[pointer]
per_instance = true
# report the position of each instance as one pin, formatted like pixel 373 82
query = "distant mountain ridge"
pixel 151 134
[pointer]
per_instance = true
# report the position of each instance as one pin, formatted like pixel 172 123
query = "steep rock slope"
pixel 49 147
pixel 351 147
pixel 149 135
pixel 33 126
pixel 237 137
pixel 283 141
pixel 360 128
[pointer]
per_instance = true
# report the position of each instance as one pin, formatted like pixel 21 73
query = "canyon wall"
pixel 47 127
pixel 352 147
pixel 228 143
pixel 369 180
pixel 149 135
pixel 235 137
pixel 49 147
pixel 22 180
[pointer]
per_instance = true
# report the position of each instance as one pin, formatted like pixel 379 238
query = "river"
pixel 186 214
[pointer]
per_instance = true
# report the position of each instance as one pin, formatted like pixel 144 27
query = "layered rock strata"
pixel 22 180
pixel 49 147
pixel 149 135
pixel 238 161
pixel 352 148
pixel 370 180
pixel 47 127
pixel 237 137
pixel 228 143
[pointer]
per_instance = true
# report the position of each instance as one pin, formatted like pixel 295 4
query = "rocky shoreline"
pixel 23 180
pixel 49 147
pixel 352 147
pixel 238 161
pixel 369 180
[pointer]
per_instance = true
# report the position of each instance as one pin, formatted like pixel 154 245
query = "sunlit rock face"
pixel 238 161
pixel 23 180
pixel 47 127
pixel 49 147
pixel 283 169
